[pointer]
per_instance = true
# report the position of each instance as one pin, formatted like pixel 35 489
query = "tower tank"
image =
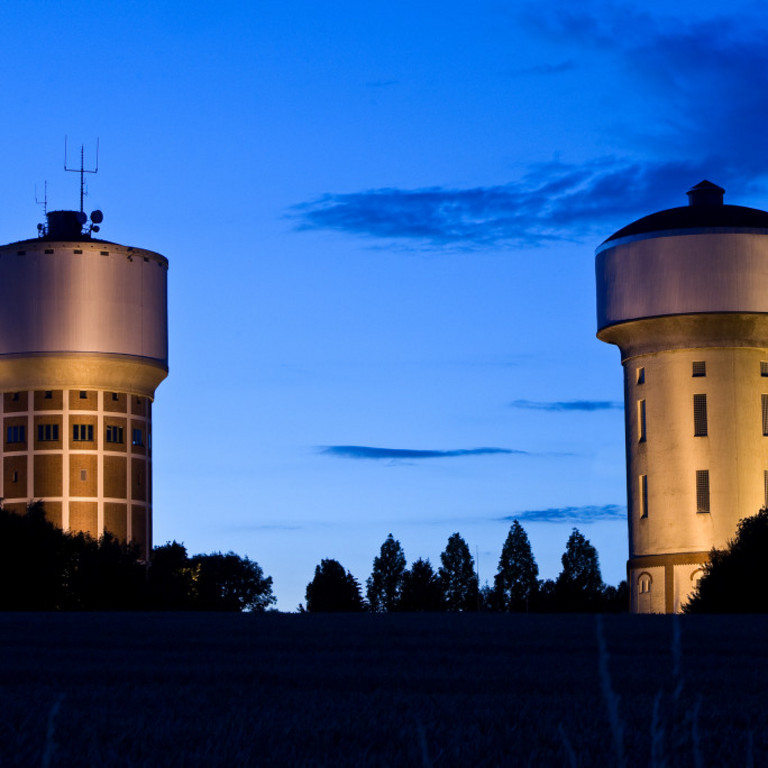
pixel 83 346
pixel 683 293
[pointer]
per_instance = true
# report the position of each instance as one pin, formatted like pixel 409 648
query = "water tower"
pixel 83 345
pixel 683 293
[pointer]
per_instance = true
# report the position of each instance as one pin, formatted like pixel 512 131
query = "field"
pixel 386 690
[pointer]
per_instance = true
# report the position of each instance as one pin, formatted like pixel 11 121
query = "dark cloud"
pixel 588 514
pixel 694 91
pixel 367 452
pixel 569 405
pixel 545 69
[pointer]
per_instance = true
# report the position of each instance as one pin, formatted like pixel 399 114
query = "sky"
pixel 381 219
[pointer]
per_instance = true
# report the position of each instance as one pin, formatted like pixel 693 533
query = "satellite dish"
pixel 81 218
pixel 97 217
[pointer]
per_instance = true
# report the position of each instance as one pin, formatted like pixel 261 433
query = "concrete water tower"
pixel 83 345
pixel 683 293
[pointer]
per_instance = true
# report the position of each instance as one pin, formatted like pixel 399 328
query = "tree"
pixel 385 583
pixel 579 587
pixel 172 579
pixel 516 582
pixel 735 579
pixel 422 590
pixel 333 590
pixel 457 576
pixel 228 582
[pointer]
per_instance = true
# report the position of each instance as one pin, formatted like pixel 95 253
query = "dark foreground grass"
pixel 398 690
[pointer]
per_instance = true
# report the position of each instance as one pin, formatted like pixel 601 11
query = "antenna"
pixel 44 201
pixel 82 170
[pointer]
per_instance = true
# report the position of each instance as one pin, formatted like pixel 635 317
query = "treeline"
pixel 43 568
pixel 454 586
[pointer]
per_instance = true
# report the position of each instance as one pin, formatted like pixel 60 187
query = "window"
pixel 699 368
pixel 47 432
pixel 765 488
pixel 16 434
pixel 641 421
pixel 82 432
pixel 15 397
pixel 764 368
pixel 702 490
pixel 114 434
pixel 14 476
pixel 764 404
pixel 644 583
pixel 699 415
pixel 643 495
pixel 641 375
pixel 48 394
pixel 83 395
pixel 83 475
pixel 138 437
pixel 114 396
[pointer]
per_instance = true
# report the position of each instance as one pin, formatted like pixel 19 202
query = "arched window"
pixel 644 583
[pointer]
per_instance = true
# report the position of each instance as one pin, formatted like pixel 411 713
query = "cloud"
pixel 545 69
pixel 569 405
pixel 587 514
pixel 689 90
pixel 367 452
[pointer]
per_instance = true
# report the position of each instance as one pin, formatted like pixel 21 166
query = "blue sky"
pixel 381 220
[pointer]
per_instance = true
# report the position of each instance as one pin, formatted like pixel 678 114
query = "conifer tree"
pixel 579 587
pixel 385 583
pixel 516 582
pixel 333 590
pixel 422 590
pixel 457 576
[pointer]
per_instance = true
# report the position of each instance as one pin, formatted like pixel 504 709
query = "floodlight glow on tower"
pixel 684 294
pixel 83 346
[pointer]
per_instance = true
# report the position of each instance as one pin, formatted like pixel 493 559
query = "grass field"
pixel 382 690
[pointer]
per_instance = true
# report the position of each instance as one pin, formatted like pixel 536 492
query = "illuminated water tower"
pixel 83 345
pixel 684 294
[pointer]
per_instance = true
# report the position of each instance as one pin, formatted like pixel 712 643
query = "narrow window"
pixel 114 434
pixel 114 396
pixel 765 488
pixel 641 375
pixel 15 477
pixel 47 432
pixel 699 368
pixel 48 395
pixel 699 415
pixel 83 395
pixel 15 396
pixel 641 421
pixel 138 438
pixel 764 368
pixel 15 434
pixel 643 495
pixel 82 432
pixel 83 475
pixel 644 583
pixel 764 403
pixel 702 490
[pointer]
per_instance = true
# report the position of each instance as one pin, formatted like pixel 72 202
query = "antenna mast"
pixel 82 170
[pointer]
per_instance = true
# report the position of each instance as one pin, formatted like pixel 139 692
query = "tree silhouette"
pixel 228 582
pixel 735 580
pixel 516 582
pixel 172 579
pixel 385 583
pixel 333 590
pixel 579 587
pixel 457 576
pixel 422 590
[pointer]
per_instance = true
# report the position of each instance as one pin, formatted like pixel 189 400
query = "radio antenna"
pixel 44 201
pixel 82 170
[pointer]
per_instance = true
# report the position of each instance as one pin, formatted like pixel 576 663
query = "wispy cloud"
pixel 368 452
pixel 672 69
pixel 568 405
pixel 587 514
